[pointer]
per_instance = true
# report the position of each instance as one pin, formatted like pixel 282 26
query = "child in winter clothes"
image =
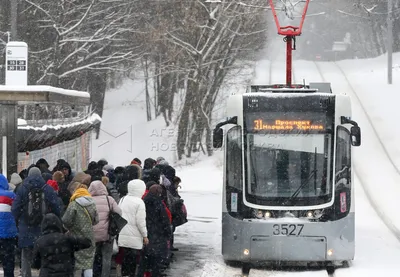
pixel 8 228
pixel 54 185
pixel 54 251
pixel 16 180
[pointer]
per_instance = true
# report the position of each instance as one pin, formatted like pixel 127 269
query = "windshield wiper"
pixel 253 171
pixel 313 173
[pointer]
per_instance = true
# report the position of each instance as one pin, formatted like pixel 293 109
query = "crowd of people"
pixel 58 220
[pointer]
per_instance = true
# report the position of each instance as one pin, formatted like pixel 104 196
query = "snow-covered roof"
pixel 22 122
pixel 33 138
pixel 17 43
pixel 93 119
pixel 43 93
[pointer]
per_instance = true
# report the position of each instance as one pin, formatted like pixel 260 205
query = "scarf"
pixel 80 193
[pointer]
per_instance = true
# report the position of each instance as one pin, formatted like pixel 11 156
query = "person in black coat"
pixel 131 172
pixel 43 165
pixel 159 232
pixel 54 251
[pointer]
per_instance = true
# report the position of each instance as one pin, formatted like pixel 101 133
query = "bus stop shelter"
pixel 12 96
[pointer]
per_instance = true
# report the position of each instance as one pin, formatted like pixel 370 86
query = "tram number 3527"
pixel 287 229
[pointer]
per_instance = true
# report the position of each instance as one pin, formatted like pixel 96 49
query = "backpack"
pixel 36 207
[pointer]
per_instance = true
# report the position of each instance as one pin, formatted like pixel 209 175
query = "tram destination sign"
pixel 287 123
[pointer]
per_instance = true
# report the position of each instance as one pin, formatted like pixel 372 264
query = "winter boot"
pixel 118 269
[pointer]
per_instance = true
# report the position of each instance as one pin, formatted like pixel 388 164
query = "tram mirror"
pixel 355 136
pixel 218 135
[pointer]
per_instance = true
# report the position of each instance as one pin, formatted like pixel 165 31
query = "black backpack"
pixel 36 206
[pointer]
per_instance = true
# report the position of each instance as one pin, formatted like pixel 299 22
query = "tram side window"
pixel 343 154
pixel 234 158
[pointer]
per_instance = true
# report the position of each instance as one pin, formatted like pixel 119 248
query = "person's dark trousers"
pixel 172 239
pixel 130 262
pixel 7 254
pixel 151 263
pixel 102 259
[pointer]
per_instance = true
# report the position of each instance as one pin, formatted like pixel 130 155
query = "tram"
pixel 288 192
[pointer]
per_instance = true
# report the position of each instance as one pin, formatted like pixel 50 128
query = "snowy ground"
pixel 377 181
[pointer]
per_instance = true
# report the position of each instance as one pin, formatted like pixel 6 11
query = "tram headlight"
pixel 258 213
pixel 317 213
pixel 314 214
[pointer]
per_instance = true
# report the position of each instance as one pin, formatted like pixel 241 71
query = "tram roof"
pixel 279 88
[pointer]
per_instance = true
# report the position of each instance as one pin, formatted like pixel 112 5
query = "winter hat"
pixel 35 172
pixel 150 184
pixel 42 161
pixel 101 163
pixel 82 178
pixel 119 170
pixel 47 176
pixel 149 163
pixel 53 184
pixel 136 161
pixel 156 190
pixel 58 176
pixel 159 159
pixel 92 165
pixel 97 175
pixel 132 172
pixel 15 179
pixel 155 175
pixel 163 162
pixel 108 167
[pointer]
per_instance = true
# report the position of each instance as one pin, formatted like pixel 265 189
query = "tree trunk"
pixel 97 86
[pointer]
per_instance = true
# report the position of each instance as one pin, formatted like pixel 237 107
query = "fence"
pixel 76 152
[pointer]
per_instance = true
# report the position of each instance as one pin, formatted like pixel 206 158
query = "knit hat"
pixel 156 190
pixel 34 171
pixel 159 159
pixel 108 167
pixel 163 162
pixel 15 179
pixel 136 161
pixel 53 184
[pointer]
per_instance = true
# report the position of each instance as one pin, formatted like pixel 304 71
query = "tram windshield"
pixel 288 169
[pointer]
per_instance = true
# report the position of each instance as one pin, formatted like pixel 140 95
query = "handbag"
pixel 116 222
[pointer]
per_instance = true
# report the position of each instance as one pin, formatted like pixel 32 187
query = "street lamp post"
pixel 390 41
pixel 14 22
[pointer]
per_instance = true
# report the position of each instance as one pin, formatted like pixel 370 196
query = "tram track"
pixel 385 219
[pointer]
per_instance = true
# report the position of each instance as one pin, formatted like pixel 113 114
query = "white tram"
pixel 288 184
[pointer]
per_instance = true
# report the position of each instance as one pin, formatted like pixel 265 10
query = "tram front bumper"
pixel 263 241
pixel 284 248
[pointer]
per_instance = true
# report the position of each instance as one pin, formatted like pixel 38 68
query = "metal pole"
pixel 390 42
pixel 14 17
pixel 289 49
